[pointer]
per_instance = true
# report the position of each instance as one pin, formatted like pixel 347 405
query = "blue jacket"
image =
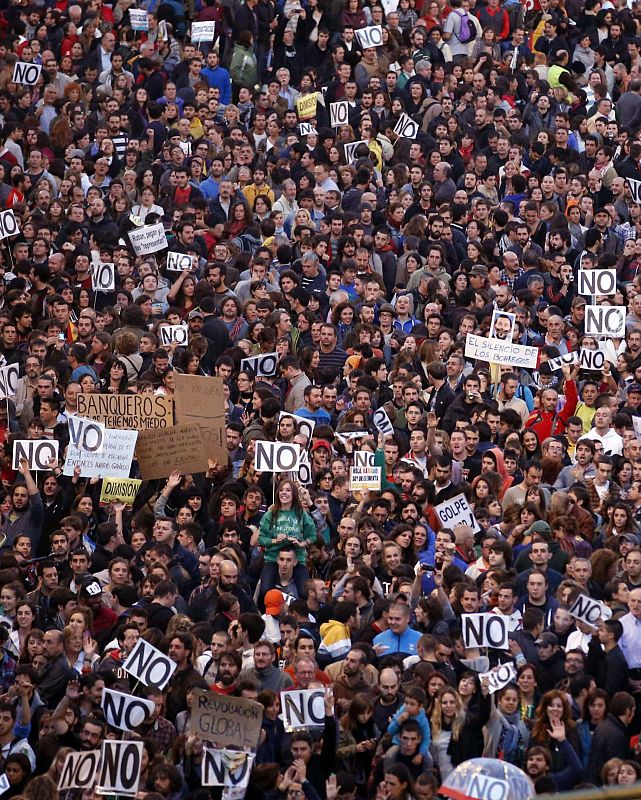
pixel 405 644
pixel 394 729
pixel 219 79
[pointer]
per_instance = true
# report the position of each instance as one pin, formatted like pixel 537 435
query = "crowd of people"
pixel 365 259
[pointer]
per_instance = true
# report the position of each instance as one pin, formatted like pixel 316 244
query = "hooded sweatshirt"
pixel 295 524
pixel 336 641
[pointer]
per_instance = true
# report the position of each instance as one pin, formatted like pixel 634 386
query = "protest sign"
pixel 226 768
pixel 177 262
pixel 304 475
pixel 198 397
pixel 173 334
pixel 26 73
pixel 103 277
pixel 38 452
pixel 365 478
pixel 120 766
pixel 276 457
pixel 592 282
pixel 114 459
pixel 148 665
pixel 125 711
pixel 86 434
pixel 226 721
pixel 569 359
pixel 636 423
pixel 456 511
pixel 203 31
pixel 263 365
pixel 128 411
pixel 148 239
pixel 485 630
pixel 302 708
pixel 119 490
pixel 350 149
pixel 305 426
pixel 138 19
pixel 179 448
pixel 592 359
pixel 79 771
pixel 406 128
pixel 605 321
pixel 363 458
pixel 370 37
pixel 587 609
pixel 339 113
pixel 497 351
pixel 307 129
pixel 8 224
pixel 382 422
pixel 500 676
pixel 502 325
pixel 306 106
pixel 214 436
pixel 9 377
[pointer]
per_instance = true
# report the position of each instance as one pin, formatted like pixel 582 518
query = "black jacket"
pixel 609 670
pixel 611 740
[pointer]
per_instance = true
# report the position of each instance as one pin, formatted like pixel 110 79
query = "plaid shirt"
pixel 7 671
pixel 625 232
pixel 510 281
pixel 162 734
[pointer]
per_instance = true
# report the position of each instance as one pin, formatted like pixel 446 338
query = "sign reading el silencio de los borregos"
pixel 498 351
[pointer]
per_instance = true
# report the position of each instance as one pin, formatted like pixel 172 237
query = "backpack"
pixel 468 29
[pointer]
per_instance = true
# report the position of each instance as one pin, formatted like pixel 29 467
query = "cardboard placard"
pixel 485 630
pixel 128 411
pixel 86 434
pixel 125 711
pixel 302 708
pixel 214 436
pixel 9 377
pixel 370 37
pixel 26 73
pixel 500 676
pixel 8 224
pixel 306 105
pixel 173 334
pixel 502 325
pixel 139 19
pixel 497 351
pixel 406 128
pixel 198 397
pixel 587 609
pixel 592 359
pixel 203 31
pixel 179 448
pixel 339 113
pixel 383 422
pixel 263 365
pixel 605 321
pixel 365 478
pixel 148 665
pixel 114 459
pixel 148 239
pixel 276 457
pixel 307 129
pixel 79 771
pixel 119 490
pixel 120 766
pixel 456 511
pixel 225 721
pixel 177 262
pixel 350 149
pixel 556 364
pixel 103 277
pixel 593 282
pixel 38 453
pixel 227 768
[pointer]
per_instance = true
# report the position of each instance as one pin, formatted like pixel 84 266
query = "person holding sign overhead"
pixel 285 522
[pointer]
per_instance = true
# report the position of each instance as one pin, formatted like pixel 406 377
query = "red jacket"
pixel 546 424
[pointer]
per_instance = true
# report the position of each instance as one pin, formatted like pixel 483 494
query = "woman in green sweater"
pixel 286 523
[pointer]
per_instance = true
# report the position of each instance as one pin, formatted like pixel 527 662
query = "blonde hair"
pixel 436 719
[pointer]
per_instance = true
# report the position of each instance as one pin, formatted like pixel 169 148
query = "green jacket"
pixel 297 525
pixel 244 68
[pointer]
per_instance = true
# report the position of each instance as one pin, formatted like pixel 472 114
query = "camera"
pixel 427 567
